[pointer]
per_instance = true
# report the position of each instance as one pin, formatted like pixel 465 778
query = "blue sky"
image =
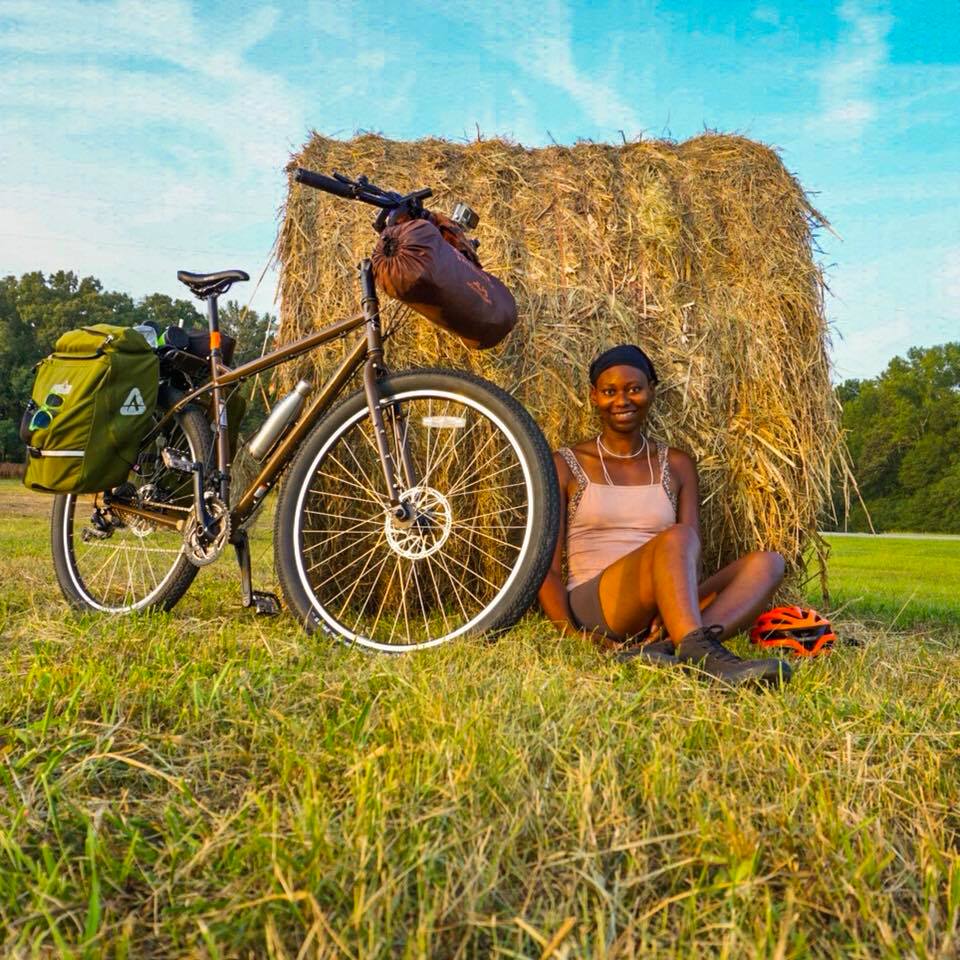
pixel 137 138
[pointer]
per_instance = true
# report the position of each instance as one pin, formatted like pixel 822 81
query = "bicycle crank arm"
pixel 173 461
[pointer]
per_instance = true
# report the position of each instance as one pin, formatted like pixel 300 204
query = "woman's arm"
pixel 553 595
pixel 684 472
pixel 553 591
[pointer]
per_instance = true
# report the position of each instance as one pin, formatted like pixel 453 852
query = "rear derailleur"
pixel 105 519
pixel 103 522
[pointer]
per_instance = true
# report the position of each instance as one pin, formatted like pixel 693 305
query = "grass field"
pixel 208 784
pixel 896 581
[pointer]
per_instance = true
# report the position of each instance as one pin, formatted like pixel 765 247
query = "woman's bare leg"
pixel 659 576
pixel 657 580
pixel 743 589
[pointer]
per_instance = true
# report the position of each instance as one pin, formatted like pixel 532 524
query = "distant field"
pixel 207 784
pixel 898 581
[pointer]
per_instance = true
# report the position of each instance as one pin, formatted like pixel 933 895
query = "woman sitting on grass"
pixel 629 525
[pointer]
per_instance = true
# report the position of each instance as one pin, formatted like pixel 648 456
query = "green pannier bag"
pixel 92 402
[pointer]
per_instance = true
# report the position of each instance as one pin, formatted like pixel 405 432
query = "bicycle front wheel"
pixel 482 524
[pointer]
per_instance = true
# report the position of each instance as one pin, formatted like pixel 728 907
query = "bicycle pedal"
pixel 265 604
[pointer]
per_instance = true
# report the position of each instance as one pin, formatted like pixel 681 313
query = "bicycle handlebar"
pixel 320 182
pixel 360 189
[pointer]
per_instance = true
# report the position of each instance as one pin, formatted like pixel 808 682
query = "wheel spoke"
pixel 428 561
pixel 383 599
pixel 473 573
pixel 506 566
pixel 455 485
pixel 387 556
pixel 344 496
pixel 337 536
pixel 460 488
pixel 393 584
pixel 451 442
pixel 495 513
pixel 423 606
pixel 339 570
pixel 341 516
pixel 130 567
pixel 479 530
pixel 487 489
pixel 356 583
pixel 369 487
pixel 454 581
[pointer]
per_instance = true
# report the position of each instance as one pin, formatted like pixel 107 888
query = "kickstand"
pixel 264 604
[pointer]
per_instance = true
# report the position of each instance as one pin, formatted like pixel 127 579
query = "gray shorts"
pixel 585 607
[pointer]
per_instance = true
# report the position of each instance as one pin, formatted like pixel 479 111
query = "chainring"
pixel 198 549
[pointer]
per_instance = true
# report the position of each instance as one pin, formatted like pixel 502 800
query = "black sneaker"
pixel 702 649
pixel 657 654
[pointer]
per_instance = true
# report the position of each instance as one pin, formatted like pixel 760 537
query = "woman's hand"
pixel 553 599
pixel 553 591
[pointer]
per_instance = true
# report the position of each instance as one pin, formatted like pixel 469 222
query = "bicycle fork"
pixel 373 371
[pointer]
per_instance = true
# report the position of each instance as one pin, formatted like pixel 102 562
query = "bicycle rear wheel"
pixel 483 527
pixel 114 562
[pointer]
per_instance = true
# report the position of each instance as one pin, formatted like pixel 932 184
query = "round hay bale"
pixel 701 252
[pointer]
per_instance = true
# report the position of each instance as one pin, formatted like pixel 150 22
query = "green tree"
pixel 165 312
pixel 254 332
pixel 903 432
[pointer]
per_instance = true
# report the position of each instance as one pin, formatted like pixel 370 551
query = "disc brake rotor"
pixel 428 529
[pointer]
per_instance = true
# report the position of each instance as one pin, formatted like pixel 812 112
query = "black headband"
pixel 624 355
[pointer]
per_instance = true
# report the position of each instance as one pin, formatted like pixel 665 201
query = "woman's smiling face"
pixel 622 396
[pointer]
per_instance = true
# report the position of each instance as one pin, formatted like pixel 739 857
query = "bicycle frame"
pixel 367 351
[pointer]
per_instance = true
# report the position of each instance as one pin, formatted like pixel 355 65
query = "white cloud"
pixel 767 14
pixel 904 297
pixel 137 138
pixel 865 352
pixel 538 39
pixel 847 79
pixel 949 277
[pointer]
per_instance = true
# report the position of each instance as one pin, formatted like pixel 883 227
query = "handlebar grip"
pixel 320 182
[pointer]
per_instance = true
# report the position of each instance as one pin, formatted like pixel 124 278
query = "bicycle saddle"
pixel 204 285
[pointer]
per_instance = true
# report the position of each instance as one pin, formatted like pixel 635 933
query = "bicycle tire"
pixel 128 541
pixel 449 416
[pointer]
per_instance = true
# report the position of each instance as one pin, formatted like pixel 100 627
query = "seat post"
pixel 218 403
pixel 213 319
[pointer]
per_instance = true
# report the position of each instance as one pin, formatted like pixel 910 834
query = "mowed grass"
pixel 897 581
pixel 204 783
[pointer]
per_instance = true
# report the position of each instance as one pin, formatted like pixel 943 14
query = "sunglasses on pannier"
pixel 44 414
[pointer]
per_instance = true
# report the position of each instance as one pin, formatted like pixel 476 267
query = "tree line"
pixel 36 308
pixel 903 432
pixel 902 427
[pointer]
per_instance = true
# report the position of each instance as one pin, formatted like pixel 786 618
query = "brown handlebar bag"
pixel 415 264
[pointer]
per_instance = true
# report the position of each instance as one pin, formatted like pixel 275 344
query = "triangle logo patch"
pixel 133 406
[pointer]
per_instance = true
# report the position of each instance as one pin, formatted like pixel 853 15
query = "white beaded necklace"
pixel 621 456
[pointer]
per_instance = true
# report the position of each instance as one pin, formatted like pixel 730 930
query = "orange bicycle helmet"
pixel 805 632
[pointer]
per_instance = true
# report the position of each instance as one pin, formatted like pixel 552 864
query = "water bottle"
pixel 280 418
pixel 149 333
